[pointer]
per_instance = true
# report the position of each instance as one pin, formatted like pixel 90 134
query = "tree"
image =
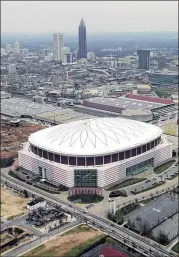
pixel 145 228
pixel 25 193
pixel 162 238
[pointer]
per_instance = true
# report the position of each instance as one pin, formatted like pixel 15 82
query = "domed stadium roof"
pixel 99 136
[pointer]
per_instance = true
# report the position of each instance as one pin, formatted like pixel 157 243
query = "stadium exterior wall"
pixel 107 173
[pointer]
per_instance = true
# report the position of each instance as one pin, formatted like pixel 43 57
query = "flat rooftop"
pixel 19 106
pixel 124 103
pixel 65 115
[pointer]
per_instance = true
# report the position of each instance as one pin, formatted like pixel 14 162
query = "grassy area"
pixel 176 248
pixel 163 167
pixel 81 228
pixel 34 251
pixel 75 251
pixel 171 129
pixel 41 251
pixel 149 188
pixel 126 183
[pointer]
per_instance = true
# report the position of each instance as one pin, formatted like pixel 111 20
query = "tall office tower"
pixel 16 48
pixel 82 48
pixel 144 59
pixel 58 43
pixel 8 48
pixel 67 55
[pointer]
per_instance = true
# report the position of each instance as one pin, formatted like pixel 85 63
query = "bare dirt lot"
pixel 14 136
pixel 12 205
pixel 60 245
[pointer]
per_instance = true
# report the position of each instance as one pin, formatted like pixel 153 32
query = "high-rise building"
pixel 16 48
pixel 8 48
pixel 82 48
pixel 58 43
pixel 144 59
pixel 67 55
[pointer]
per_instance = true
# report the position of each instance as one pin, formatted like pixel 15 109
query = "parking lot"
pixel 171 173
pixel 153 213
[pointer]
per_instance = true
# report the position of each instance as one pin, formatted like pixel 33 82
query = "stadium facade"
pixel 94 153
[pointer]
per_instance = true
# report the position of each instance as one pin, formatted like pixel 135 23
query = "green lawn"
pixel 163 167
pixel 126 183
pixel 80 228
pixel 176 248
pixel 75 251
pixel 149 188
pixel 171 129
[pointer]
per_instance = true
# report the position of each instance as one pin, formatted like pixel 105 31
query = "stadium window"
pixel 45 155
pixel 80 161
pixel 133 152
pixel 138 150
pixel 50 156
pixel 148 146
pixel 152 144
pixel 90 161
pixel 121 156
pixel 57 158
pixel 99 160
pixel 143 148
pixel 72 161
pixel 40 152
pixel 115 157
pixel 35 150
pixel 128 154
pixel 107 159
pixel 64 159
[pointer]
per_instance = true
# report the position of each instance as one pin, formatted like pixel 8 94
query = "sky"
pixel 99 16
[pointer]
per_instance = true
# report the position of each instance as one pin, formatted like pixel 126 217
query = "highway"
pixel 141 244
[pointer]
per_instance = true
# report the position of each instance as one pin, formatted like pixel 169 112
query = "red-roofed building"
pixel 111 252
pixel 150 99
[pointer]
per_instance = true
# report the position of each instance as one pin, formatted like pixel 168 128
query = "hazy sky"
pixel 99 16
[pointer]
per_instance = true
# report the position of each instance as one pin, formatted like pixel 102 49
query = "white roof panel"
pixel 98 136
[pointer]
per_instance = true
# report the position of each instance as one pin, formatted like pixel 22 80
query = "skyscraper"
pixel 82 47
pixel 144 59
pixel 16 48
pixel 58 44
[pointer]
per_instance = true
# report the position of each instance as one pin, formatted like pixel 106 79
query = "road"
pixel 117 232
pixel 40 240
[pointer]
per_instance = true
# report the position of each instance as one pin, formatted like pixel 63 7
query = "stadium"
pixel 95 153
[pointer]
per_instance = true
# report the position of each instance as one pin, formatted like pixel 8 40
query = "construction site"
pixel 14 132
